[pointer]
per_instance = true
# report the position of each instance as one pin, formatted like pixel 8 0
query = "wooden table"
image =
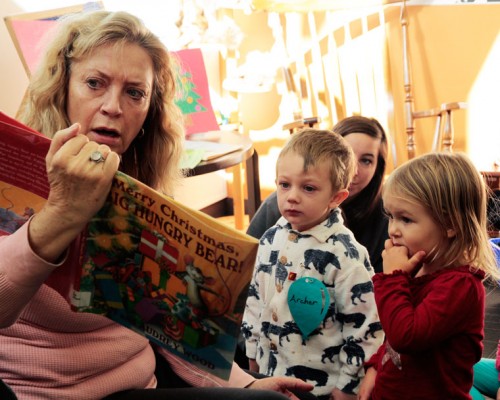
pixel 234 161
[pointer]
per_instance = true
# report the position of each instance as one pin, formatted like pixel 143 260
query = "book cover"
pixel 171 273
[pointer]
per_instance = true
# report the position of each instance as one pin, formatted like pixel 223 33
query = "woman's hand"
pixel 367 384
pixel 397 258
pixel 338 394
pixel 78 189
pixel 282 384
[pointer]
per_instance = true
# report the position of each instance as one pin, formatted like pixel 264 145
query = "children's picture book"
pixel 171 273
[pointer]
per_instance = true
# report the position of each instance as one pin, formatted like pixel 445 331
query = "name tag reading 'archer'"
pixel 308 300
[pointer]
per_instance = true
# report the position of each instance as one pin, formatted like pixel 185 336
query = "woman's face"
pixel 366 149
pixel 109 94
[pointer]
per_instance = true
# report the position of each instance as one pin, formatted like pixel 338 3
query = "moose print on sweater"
pixel 332 355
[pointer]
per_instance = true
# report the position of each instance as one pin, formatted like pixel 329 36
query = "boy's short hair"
pixel 315 146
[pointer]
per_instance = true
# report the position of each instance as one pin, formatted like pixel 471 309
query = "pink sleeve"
pixel 198 378
pixel 22 273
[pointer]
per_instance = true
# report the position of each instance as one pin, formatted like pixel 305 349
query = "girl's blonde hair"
pixel 453 192
pixel 152 158
pixel 316 146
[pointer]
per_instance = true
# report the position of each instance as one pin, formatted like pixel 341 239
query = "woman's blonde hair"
pixel 152 158
pixel 453 192
pixel 316 146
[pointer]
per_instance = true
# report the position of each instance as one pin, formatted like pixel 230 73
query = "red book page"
pixel 23 177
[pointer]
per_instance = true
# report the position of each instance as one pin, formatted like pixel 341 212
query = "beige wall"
pixel 455 54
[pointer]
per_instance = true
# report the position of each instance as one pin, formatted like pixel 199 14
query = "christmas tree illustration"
pixel 188 99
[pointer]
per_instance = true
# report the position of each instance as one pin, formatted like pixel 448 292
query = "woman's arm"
pixel 78 188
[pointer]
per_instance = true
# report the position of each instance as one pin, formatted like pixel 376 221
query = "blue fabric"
pixel 495 243
pixel 485 379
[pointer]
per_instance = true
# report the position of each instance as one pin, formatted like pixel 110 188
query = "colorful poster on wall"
pixel 30 31
pixel 193 96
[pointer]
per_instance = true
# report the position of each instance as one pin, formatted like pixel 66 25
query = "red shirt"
pixel 434 324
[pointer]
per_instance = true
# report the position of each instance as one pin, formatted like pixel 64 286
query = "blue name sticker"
pixel 308 300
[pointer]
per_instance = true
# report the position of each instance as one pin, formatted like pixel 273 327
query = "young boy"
pixel 311 311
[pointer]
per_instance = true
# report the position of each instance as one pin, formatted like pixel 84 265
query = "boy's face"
pixel 305 198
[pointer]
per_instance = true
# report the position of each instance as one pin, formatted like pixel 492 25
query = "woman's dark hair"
pixel 363 204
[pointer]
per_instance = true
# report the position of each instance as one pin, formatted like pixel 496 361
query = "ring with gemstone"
pixel 97 157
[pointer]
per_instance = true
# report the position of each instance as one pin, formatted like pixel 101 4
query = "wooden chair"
pixel 299 121
pixel 443 134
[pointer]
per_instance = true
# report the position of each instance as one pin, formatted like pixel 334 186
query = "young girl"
pixel 430 296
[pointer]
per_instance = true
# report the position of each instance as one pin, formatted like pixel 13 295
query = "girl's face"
pixel 109 94
pixel 412 226
pixel 305 198
pixel 366 150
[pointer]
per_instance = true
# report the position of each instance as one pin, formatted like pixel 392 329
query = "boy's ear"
pixel 338 198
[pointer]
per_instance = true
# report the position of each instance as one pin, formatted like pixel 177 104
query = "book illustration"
pixel 168 272
pixel 16 207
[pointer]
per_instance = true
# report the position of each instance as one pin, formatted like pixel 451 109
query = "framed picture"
pixel 30 30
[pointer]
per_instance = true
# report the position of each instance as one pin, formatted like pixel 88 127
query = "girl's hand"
pixel 338 394
pixel 397 258
pixel 367 384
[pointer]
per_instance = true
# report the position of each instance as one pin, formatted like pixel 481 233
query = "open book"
pixel 173 274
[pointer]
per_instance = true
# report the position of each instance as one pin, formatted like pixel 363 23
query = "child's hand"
pixel 282 384
pixel 338 394
pixel 252 365
pixel 367 384
pixel 397 258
